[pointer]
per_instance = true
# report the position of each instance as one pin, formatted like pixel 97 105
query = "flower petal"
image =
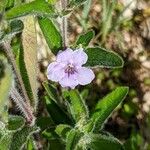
pixel 64 56
pixel 70 81
pixel 55 71
pixel 80 57
pixel 85 76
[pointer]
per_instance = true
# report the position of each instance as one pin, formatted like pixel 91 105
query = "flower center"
pixel 70 69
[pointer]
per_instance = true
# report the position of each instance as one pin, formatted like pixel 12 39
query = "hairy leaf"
pixel 85 39
pixel 77 2
pixel 29 44
pixel 15 122
pixel 51 33
pixel 62 130
pixel 21 137
pixel 56 113
pixel 105 107
pixel 72 140
pixel 103 58
pixel 37 7
pixel 77 106
pixel 100 142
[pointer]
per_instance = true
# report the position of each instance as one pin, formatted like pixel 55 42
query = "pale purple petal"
pixel 85 76
pixel 79 57
pixel 55 71
pixel 70 81
pixel 64 56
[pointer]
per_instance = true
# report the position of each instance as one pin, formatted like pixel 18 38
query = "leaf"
pixel 44 122
pixel 85 39
pixel 37 7
pixel 56 113
pixel 16 26
pixel 9 3
pixel 5 86
pixel 72 140
pixel 100 142
pixel 103 58
pixel 50 134
pixel 105 107
pixel 15 122
pixel 51 91
pixel 5 140
pixel 77 2
pixel 29 43
pixel 77 106
pixel 52 34
pixel 21 137
pixel 62 130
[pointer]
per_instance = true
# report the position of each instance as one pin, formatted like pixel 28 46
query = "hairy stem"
pixel 10 55
pixel 23 107
pixel 64 24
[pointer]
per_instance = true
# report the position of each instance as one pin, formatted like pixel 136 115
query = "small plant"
pixel 69 124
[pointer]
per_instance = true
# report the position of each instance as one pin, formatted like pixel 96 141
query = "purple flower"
pixel 68 69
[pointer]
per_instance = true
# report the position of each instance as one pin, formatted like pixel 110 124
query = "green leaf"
pixel 103 58
pixel 51 91
pixel 77 105
pixel 29 69
pixel 62 130
pixel 100 142
pixel 16 26
pixel 37 7
pixel 21 137
pixel 51 33
pixel 85 38
pixel 77 2
pixel 15 122
pixel 9 3
pixel 5 140
pixel 72 140
pixel 5 86
pixel 105 107
pixel 50 134
pixel 44 122
pixel 56 113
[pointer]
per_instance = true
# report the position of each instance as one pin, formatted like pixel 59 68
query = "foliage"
pixel 69 123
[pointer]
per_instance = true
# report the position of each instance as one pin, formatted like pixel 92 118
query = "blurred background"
pixel 124 27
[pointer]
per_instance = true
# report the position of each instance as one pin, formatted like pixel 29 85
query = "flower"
pixel 68 69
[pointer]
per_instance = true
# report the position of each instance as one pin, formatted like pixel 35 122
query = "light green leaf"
pixel 105 107
pixel 62 130
pixel 29 43
pixel 103 58
pixel 52 34
pixel 72 140
pixel 9 3
pixel 100 142
pixel 37 7
pixel 77 105
pixel 85 39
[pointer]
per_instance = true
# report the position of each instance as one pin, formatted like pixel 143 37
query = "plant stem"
pixel 10 55
pixel 24 107
pixel 64 4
